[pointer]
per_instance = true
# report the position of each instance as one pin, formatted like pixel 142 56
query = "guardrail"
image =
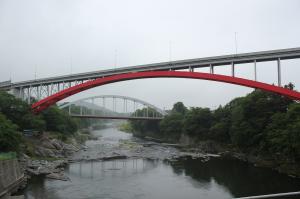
pixel 277 195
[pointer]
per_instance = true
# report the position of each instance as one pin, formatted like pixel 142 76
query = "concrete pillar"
pixel 279 71
pixel 38 90
pixel 29 95
pixel 211 68
pixel 255 76
pixel 232 69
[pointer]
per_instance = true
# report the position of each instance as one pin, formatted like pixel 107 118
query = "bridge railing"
pixel 277 195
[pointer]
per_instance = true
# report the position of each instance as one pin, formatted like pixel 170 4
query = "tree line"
pixel 16 116
pixel 259 123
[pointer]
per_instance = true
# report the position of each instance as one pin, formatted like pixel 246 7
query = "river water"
pixel 155 178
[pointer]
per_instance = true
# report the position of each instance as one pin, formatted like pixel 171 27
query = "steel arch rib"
pixel 48 101
pixel 116 96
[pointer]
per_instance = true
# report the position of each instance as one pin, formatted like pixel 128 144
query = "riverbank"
pixel 275 162
pixel 113 148
pixel 47 156
pixel 125 166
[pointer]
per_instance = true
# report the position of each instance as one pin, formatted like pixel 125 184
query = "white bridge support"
pixel 113 107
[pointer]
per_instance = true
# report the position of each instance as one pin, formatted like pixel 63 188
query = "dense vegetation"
pixel 259 123
pixel 16 116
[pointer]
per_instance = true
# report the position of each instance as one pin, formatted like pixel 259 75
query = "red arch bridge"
pixel 49 91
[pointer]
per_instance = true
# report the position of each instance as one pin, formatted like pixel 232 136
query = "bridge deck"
pixel 272 55
pixel 116 117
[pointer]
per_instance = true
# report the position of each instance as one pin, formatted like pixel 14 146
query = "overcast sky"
pixel 59 37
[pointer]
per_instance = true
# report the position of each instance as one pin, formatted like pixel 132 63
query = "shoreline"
pixel 211 147
pixel 54 169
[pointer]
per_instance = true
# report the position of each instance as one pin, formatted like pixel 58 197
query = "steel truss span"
pixel 113 107
pixel 48 101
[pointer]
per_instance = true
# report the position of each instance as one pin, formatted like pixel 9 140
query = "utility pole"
pixel 170 51
pixel 116 56
pixel 35 72
pixel 71 65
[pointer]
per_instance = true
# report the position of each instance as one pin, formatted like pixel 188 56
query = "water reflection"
pixel 133 178
pixel 97 169
pixel 240 178
pixel 151 179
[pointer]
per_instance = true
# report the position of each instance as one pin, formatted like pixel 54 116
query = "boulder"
pixel 58 176
pixel 57 144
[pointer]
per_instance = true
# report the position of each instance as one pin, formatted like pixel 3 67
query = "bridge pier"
pixel 211 69
pixel 279 71
pixel 255 77
pixel 232 69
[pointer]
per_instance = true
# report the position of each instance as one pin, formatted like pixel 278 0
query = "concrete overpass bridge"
pixel 48 91
pixel 113 107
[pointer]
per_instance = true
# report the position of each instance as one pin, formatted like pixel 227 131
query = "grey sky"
pixel 60 37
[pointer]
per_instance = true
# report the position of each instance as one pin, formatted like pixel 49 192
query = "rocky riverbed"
pixel 52 156
pixel 55 154
pixel 135 148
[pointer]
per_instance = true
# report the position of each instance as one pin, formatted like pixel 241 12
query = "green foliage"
pixel 59 121
pixel 283 133
pixel 197 122
pixel 8 156
pixel 16 116
pixel 126 127
pixel 179 108
pixel 19 113
pixel 172 126
pixel 10 139
pixel 260 122
pixel 251 114
pixel 145 127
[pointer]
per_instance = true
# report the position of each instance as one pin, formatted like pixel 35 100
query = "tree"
pixel 171 126
pixel 59 121
pixel 14 109
pixel 197 122
pixel 10 139
pixel 179 108
pixel 283 133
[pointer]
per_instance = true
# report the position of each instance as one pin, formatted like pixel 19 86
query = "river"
pixel 148 175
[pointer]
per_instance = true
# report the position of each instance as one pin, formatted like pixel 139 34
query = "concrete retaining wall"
pixel 10 174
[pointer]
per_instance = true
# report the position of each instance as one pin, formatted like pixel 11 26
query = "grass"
pixel 8 156
pixel 126 127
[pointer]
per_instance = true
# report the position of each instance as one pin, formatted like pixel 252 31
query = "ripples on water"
pixel 151 179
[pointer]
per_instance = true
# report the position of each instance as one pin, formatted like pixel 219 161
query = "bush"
pixel 10 139
pixel 8 156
